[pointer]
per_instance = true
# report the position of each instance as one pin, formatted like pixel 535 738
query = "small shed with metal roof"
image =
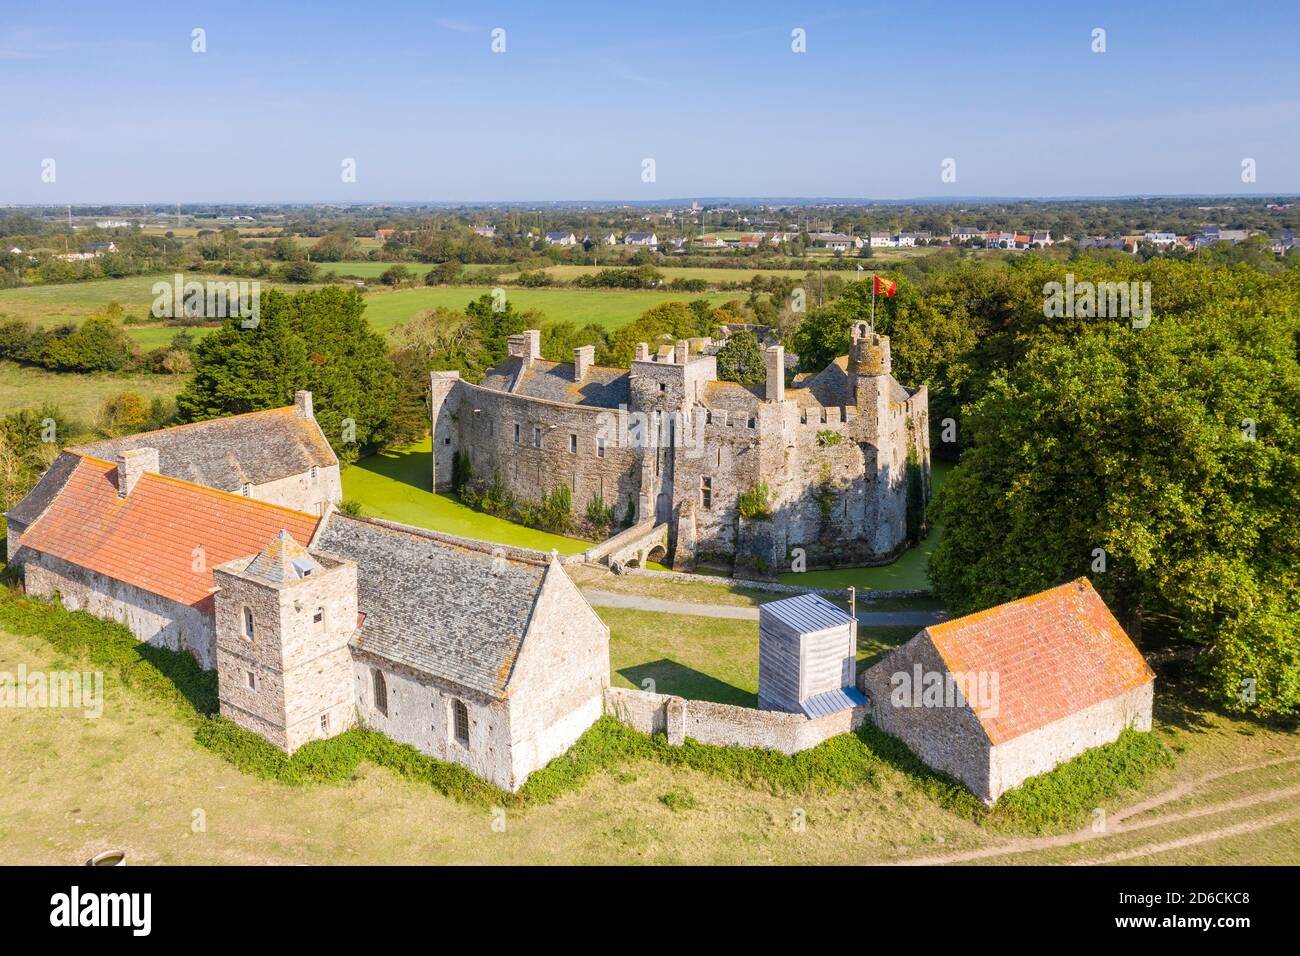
pixel 807 653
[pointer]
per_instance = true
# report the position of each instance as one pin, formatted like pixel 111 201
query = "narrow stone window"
pixel 663 387
pixel 318 618
pixel 325 723
pixel 706 493
pixel 537 437
pixel 460 722
pixel 314 472
pixel 246 490
pixel 251 679
pixel 573 443
pixel 516 433
pixel 248 623
pixel 600 448
pixel 381 690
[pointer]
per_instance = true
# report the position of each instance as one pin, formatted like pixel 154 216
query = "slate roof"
pixel 732 397
pixel 456 613
pixel 45 490
pixel 553 381
pixel 830 386
pixel 805 613
pixel 1055 653
pixel 282 561
pixel 148 538
pixel 225 453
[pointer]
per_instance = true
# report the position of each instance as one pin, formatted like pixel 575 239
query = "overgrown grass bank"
pixel 860 761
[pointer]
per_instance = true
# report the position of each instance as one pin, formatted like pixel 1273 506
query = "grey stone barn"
pixel 489 657
pixel 997 697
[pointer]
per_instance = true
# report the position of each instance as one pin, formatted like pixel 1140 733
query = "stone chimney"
pixel 681 351
pixel 302 401
pixel 584 357
pixel 642 352
pixel 134 463
pixel 527 345
pixel 774 359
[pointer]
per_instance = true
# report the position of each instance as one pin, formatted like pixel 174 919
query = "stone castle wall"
pixel 838 476
pixel 482 421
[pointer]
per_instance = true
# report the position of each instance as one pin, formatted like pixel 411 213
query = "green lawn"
pixel 607 307
pixel 78 395
pixel 907 573
pixel 704 658
pixel 396 485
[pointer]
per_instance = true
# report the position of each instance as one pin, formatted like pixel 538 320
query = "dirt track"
pixel 1117 824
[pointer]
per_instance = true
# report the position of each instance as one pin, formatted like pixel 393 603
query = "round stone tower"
pixel 868 352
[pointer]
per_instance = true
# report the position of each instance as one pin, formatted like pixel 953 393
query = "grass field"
pixel 607 307
pixel 79 396
pixel 134 778
pixel 395 485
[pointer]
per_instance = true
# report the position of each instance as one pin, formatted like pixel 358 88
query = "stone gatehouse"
pixel 844 453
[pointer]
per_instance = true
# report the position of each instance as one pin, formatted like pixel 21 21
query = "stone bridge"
pixel 633 546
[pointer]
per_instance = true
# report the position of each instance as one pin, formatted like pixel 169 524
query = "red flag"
pixel 883 286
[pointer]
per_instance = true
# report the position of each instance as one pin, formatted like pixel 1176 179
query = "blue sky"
pixel 584 92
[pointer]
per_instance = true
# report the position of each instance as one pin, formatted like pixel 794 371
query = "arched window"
pixel 460 722
pixel 381 690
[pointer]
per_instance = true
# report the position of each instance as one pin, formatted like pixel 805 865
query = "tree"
pixel 99 345
pixel 317 340
pixel 741 360
pixel 1162 462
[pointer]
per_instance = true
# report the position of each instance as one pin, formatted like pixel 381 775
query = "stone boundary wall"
pixel 726 725
pixel 864 597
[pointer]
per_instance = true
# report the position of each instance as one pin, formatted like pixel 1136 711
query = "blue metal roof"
pixel 806 613
pixel 832 702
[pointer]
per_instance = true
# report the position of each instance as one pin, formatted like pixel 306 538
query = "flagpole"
pixel 873 305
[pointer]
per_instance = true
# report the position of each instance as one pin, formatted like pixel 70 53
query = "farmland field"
pixel 607 307
pixel 79 396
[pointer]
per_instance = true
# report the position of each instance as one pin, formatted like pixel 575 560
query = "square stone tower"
pixel 283 621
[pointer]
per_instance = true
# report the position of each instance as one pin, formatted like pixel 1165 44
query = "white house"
pixel 640 239
pixel 561 239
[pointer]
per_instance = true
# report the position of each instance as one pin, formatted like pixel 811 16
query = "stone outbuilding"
pixel 997 697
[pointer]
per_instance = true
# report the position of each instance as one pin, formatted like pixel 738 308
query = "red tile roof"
pixel 1055 653
pixel 148 539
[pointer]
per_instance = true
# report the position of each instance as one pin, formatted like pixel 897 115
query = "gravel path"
pixel 636 602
